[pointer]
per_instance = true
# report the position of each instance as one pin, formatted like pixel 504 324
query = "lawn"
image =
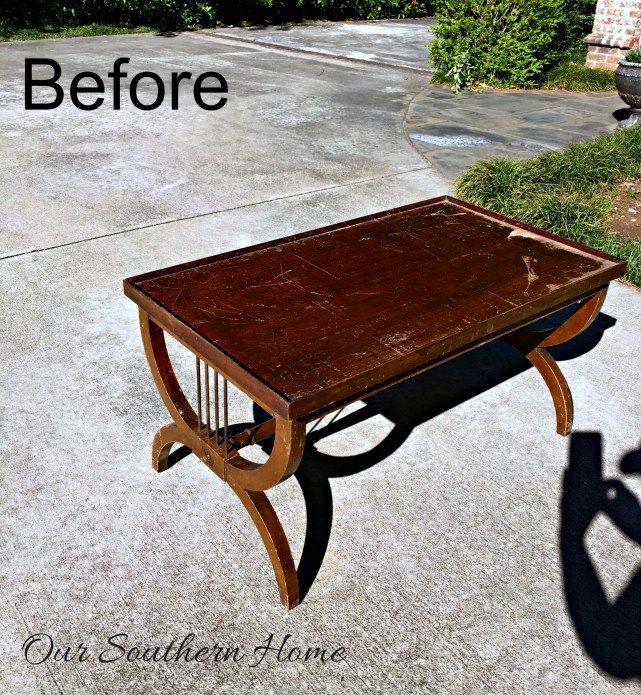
pixel 572 192
pixel 65 32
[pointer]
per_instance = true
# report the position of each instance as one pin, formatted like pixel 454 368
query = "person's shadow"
pixel 406 405
pixel 610 632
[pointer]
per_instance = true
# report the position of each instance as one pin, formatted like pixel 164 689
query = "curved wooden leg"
pixel 547 367
pixel 260 510
pixel 289 435
pixel 533 343
pixel 165 438
pixel 273 536
pixel 153 340
pixel 581 319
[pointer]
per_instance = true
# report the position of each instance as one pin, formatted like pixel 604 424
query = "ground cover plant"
pixel 572 74
pixel 569 192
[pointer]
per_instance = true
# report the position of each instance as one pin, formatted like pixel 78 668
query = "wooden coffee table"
pixel 310 323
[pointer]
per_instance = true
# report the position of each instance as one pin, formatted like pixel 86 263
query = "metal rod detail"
pixel 225 415
pixel 199 395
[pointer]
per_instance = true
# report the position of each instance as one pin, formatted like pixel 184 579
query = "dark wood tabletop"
pixel 310 322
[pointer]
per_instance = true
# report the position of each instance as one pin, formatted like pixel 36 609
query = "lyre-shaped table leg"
pixel 533 343
pixel 247 479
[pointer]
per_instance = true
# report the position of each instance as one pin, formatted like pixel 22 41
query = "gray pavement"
pixel 401 43
pixel 444 572
pixel 454 131
pixel 102 171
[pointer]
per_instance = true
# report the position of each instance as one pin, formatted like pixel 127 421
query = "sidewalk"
pixel 452 131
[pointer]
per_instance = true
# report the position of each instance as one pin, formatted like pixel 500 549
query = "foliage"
pixel 459 73
pixel 507 42
pixel 578 18
pixel 67 32
pixel 568 192
pixel 180 13
pixel 634 56
pixel 363 9
pixel 503 42
pixel 576 77
pixel 163 13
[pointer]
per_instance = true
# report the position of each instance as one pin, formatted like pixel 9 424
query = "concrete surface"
pixel 444 571
pixel 454 131
pixel 401 44
pixel 319 123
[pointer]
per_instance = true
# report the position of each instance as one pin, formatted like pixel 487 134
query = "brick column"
pixel 617 29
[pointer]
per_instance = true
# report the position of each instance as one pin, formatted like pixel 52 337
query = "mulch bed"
pixel 625 217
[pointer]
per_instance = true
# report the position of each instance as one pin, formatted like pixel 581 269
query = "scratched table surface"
pixel 322 318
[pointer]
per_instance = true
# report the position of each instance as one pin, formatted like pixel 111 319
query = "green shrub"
pixel 502 42
pixel 364 9
pixel 163 13
pixel 634 56
pixel 578 18
pixel 509 42
pixel 179 13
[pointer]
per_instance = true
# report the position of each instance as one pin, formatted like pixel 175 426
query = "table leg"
pixel 533 343
pixel 220 453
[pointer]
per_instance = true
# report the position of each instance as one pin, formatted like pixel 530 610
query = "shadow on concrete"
pixel 173 33
pixel 610 632
pixel 406 405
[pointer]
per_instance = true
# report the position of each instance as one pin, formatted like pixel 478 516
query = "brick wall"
pixel 617 28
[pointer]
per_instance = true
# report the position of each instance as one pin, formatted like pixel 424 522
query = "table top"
pixel 307 323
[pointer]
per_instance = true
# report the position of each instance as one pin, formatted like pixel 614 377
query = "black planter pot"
pixel 628 79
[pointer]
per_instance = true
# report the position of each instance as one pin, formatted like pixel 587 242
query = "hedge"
pixel 505 42
pixel 180 13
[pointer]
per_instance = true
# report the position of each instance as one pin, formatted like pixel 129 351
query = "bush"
pixel 180 13
pixel 578 18
pixel 364 9
pixel 505 42
pixel 162 13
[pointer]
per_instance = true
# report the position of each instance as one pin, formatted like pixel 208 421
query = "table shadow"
pixel 609 630
pixel 407 405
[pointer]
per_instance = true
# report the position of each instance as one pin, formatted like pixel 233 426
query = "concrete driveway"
pixel 444 571
pixel 401 44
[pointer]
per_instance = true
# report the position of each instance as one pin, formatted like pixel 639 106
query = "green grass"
pixel 570 73
pixel 575 77
pixel 64 32
pixel 568 192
